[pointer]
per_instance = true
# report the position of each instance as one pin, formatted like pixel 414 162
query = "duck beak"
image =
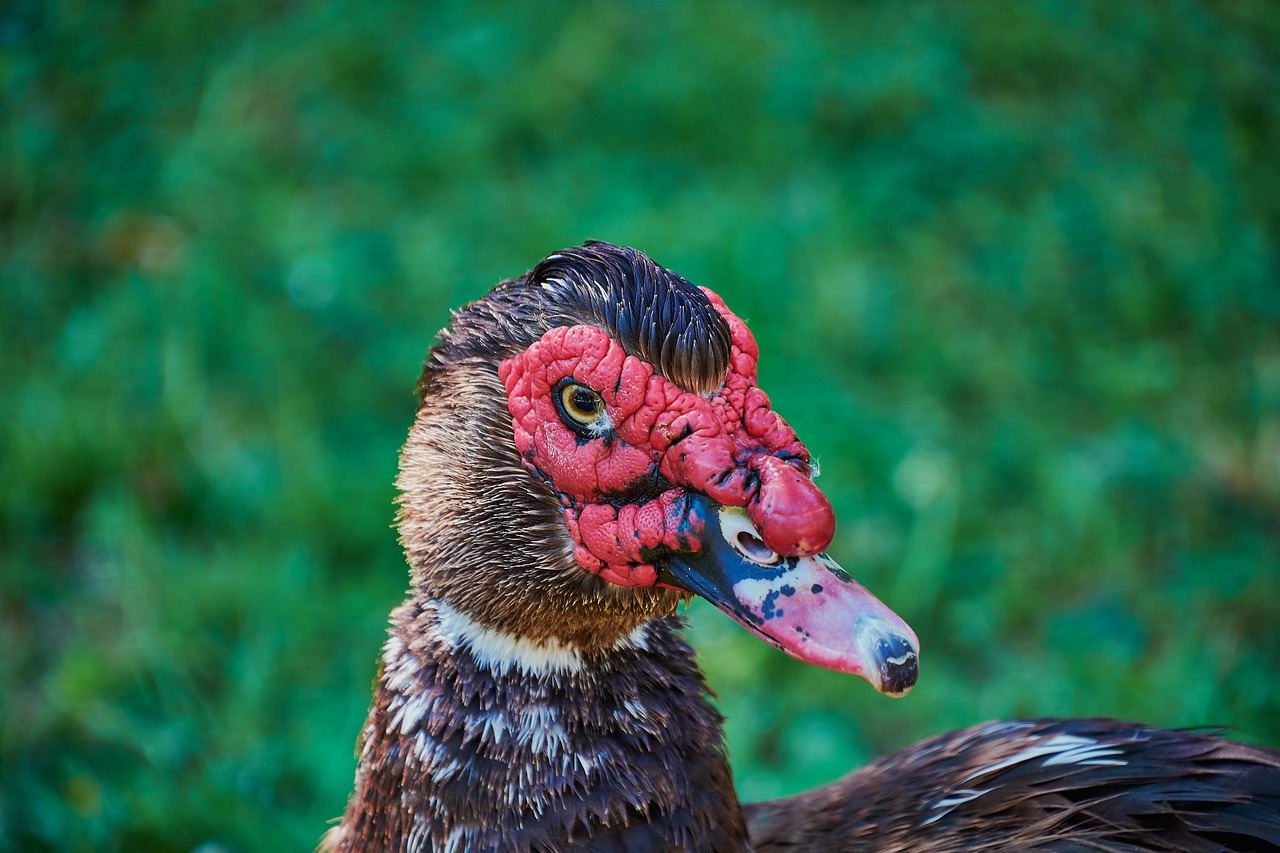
pixel 807 606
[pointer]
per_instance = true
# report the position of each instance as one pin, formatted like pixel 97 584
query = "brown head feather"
pixel 484 533
pixel 655 314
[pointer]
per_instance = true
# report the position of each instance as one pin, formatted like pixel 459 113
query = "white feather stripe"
pixel 1059 749
pixel 500 652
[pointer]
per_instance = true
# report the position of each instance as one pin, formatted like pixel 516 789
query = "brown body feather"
pixel 625 754
pixel 1040 785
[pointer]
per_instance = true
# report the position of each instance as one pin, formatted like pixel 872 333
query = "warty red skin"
pixel 730 446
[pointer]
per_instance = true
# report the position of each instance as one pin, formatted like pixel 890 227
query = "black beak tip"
pixel 899 664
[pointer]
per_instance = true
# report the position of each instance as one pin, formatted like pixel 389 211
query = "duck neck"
pixel 478 740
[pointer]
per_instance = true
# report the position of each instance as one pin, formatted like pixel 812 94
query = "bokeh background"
pixel 1013 267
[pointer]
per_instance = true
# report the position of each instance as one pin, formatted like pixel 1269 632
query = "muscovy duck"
pixel 592 449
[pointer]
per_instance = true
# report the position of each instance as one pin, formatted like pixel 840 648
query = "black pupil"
pixel 584 401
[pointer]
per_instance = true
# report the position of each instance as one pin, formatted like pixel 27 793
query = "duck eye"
pixel 581 406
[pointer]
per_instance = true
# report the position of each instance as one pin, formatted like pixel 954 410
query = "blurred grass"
pixel 1013 267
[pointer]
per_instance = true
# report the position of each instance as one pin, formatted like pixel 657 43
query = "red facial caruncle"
pixel 622 446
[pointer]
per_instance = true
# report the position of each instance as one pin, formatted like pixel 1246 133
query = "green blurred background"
pixel 1013 268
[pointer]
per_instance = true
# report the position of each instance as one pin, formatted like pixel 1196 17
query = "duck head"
pixel 593 447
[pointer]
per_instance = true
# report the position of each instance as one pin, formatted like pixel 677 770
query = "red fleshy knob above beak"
pixel 793 516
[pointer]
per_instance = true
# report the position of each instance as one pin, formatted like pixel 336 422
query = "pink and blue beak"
pixel 805 605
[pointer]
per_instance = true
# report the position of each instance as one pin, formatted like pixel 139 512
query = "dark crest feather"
pixel 655 314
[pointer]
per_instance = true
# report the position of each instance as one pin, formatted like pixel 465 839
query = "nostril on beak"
pixel 754 549
pixel 743 537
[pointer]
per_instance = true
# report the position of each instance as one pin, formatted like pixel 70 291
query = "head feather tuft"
pixel 655 314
